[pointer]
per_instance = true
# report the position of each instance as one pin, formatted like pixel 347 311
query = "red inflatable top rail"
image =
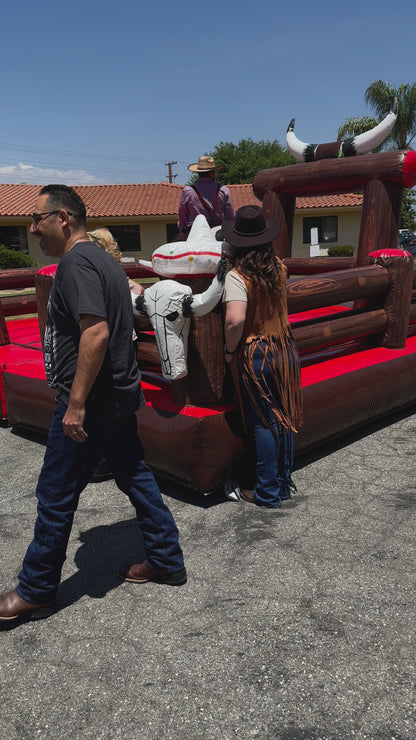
pixel 49 270
pixel 132 269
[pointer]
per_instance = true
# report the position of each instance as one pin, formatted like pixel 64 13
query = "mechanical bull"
pixel 170 306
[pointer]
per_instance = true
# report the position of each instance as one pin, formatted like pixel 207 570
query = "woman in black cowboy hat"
pixel 261 351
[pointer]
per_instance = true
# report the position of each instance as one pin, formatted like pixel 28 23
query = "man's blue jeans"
pixel 66 470
pixel 274 446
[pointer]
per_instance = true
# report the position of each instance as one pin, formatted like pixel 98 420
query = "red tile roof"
pixel 343 200
pixel 154 199
pixel 242 195
pixel 17 200
pixel 150 199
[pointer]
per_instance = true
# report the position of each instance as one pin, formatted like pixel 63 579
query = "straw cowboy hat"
pixel 250 228
pixel 204 164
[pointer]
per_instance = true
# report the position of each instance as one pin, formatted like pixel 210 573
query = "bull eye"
pixel 172 316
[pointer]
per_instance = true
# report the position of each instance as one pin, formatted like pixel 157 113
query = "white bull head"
pixel 169 306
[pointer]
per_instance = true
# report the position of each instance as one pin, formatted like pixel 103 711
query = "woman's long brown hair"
pixel 258 264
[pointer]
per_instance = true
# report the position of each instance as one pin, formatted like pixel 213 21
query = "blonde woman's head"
pixel 103 238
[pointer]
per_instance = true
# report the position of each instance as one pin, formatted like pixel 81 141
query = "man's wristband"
pixel 226 351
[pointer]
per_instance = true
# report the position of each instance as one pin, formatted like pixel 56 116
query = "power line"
pixel 126 169
pixel 84 155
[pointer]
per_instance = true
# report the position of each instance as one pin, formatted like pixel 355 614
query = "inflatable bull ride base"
pixel 354 322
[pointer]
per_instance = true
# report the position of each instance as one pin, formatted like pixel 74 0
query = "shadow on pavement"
pixel 104 549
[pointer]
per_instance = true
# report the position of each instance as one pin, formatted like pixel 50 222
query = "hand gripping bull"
pixel 170 306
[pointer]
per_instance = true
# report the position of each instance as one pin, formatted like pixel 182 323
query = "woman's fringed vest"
pixel 267 328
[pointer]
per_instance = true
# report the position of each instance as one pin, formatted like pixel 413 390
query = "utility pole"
pixel 169 166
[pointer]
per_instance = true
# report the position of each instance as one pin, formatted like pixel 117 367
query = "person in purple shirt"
pixel 204 196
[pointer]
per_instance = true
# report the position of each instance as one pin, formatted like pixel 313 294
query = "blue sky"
pixel 97 92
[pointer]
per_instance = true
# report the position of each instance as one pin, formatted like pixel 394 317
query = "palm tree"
pixel 380 96
pixel 355 126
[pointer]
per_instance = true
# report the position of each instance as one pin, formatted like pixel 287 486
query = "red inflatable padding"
pixel 199 452
pixel 14 356
pixel 30 402
pixel 29 370
pixel 49 270
pixel 334 368
pixel 25 331
pixel 159 395
pixel 316 313
pixel 387 253
pixel 343 402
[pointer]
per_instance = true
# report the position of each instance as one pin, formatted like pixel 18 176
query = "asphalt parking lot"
pixel 296 623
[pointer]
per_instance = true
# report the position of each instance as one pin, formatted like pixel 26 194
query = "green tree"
pixel 408 212
pixel 380 97
pixel 355 126
pixel 241 161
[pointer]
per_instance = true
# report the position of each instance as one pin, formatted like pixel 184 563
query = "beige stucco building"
pixel 337 218
pixel 143 216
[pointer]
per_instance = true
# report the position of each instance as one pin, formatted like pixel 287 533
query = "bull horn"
pixel 361 144
pixel 203 303
pixel 369 140
pixel 296 146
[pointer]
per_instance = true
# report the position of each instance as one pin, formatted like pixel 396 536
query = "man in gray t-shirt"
pixel 89 281
pixel 89 358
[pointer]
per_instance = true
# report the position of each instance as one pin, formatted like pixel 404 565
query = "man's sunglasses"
pixel 38 217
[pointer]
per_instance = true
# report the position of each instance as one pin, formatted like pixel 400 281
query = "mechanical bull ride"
pixel 170 305
pixel 354 321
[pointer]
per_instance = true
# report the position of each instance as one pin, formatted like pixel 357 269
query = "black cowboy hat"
pixel 250 228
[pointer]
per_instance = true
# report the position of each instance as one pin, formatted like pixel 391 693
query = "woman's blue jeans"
pixel 274 446
pixel 66 470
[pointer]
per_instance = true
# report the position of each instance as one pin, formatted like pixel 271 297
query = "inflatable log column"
pixel 4 334
pixel 400 266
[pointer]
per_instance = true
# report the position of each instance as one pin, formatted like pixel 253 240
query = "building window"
pixel 14 237
pixel 127 237
pixel 171 232
pixel 327 229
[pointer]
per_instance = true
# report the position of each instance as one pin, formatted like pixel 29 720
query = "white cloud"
pixel 36 175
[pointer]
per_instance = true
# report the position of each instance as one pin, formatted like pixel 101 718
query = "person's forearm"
pixel 233 335
pixel 235 316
